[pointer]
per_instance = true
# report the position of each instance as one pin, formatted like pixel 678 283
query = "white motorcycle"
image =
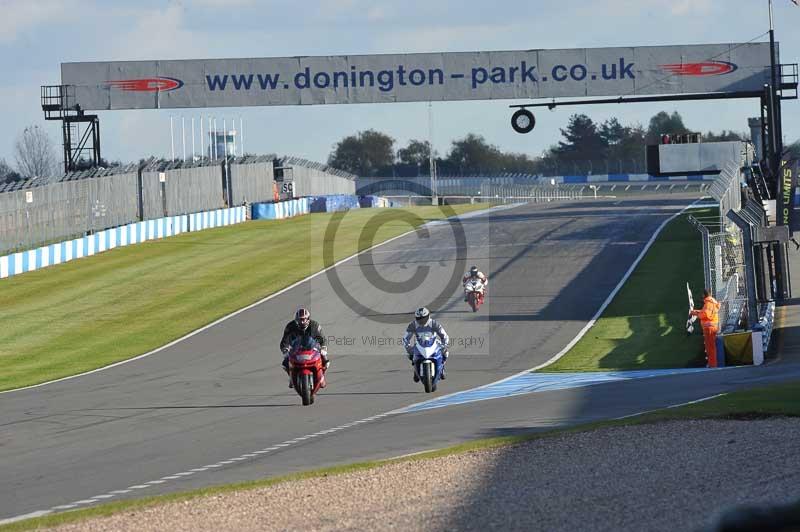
pixel 474 290
pixel 428 360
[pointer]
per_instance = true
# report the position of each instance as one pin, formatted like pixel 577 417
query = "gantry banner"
pixel 526 74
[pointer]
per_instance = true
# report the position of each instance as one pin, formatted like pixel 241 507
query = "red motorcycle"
pixel 474 290
pixel 306 368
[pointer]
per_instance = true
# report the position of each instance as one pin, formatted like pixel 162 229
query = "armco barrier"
pixel 766 324
pixel 282 209
pixel 626 178
pixel 208 219
pixel 339 202
pixel 373 201
pixel 135 233
pixel 334 203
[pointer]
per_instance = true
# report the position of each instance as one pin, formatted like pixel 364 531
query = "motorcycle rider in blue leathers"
pixel 424 323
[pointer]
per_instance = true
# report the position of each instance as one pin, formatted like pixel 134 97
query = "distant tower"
pixel 755 136
pixel 224 143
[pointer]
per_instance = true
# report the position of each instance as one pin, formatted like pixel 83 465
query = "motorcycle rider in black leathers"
pixel 303 325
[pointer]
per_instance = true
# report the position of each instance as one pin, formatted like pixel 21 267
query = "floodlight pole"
pixel 774 127
pixel 431 158
pixel 781 265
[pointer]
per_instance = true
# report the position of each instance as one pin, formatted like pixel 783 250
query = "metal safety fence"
pixel 727 277
pixel 38 212
pixel 725 268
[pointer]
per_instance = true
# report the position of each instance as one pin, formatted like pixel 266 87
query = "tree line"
pixel 34 155
pixel 585 147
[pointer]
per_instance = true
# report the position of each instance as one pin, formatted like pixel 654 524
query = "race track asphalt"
pixel 221 394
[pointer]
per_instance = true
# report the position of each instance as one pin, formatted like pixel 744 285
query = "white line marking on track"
pixel 353 423
pixel 32 515
pixel 581 333
pixel 178 476
pixel 672 406
pixel 265 299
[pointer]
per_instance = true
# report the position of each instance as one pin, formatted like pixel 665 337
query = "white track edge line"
pixel 385 414
pixel 580 334
pixel 702 399
pixel 260 301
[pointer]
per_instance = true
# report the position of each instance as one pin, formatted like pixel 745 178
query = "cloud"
pixel 636 8
pixel 686 7
pixel 336 8
pixel 440 39
pixel 20 16
pixel 157 34
pixel 377 13
pixel 218 4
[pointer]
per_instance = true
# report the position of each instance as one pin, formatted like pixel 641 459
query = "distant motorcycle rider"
pixel 303 325
pixel 424 323
pixel 474 274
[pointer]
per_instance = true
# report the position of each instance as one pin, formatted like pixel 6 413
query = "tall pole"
pixel 233 134
pixel 183 137
pixel 193 139
pixel 202 152
pixel 172 137
pixel 216 150
pixel 241 137
pixel 781 269
pixel 431 158
pixel 775 163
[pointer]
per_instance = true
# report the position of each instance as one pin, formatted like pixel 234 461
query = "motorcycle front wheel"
pixel 306 388
pixel 473 301
pixel 427 377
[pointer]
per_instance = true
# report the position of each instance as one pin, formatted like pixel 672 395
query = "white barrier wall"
pixel 135 233
pixel 699 156
pixel 282 209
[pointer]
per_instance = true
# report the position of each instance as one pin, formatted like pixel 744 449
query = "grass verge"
pixel 89 313
pixel 770 401
pixel 643 326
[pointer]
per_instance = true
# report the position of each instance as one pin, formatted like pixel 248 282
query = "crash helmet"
pixel 302 317
pixel 422 315
pixel 473 271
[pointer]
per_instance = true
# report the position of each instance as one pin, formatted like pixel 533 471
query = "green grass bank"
pixel 643 326
pixel 85 314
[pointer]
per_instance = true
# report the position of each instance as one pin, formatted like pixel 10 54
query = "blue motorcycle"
pixel 428 360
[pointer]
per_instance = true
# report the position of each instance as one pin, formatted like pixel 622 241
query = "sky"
pixel 37 35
